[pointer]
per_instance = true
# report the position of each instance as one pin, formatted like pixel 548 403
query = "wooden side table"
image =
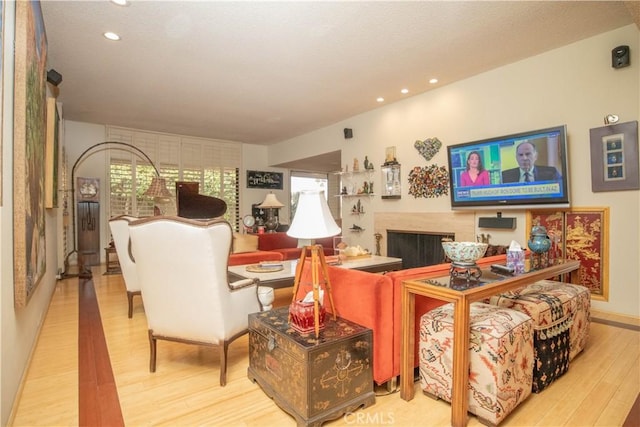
pixel 113 264
pixel 314 380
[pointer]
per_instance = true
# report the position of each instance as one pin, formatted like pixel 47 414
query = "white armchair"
pixel 182 269
pixel 120 232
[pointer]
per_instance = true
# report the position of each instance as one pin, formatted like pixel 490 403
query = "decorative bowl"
pixel 464 252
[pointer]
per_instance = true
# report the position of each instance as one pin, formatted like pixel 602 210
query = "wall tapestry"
pixel 581 234
pixel 29 149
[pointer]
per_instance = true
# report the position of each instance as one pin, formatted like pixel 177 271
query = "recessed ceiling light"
pixel 111 36
pixel 405 91
pixel 433 81
pixel 120 2
pixel 380 99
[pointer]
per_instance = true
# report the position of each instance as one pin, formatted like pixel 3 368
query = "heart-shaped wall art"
pixel 428 148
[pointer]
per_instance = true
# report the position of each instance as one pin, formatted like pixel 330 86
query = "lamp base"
pixel 302 316
pixel 271 224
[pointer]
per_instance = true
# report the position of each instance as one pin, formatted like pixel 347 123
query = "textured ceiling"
pixel 263 72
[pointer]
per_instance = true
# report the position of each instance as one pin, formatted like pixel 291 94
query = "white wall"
pixel 574 85
pixel 254 157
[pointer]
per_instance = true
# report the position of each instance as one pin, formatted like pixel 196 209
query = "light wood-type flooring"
pixel 599 390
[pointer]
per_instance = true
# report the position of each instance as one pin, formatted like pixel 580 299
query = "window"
pixel 306 181
pixel 214 164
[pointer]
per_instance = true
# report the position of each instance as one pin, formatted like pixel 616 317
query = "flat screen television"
pixel 503 177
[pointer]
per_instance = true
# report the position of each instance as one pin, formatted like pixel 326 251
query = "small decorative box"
pixel 302 316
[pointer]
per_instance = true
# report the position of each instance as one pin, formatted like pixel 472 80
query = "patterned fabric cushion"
pixel 561 315
pixel 501 358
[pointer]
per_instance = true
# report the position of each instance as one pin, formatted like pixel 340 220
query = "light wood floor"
pixel 599 389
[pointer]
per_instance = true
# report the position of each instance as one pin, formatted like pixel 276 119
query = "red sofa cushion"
pixel 288 245
pixel 289 253
pixel 254 257
pixel 271 241
pixel 363 298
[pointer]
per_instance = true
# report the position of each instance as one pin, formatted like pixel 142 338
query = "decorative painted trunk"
pixel 314 380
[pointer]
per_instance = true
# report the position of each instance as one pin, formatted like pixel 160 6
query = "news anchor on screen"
pixel 528 171
pixel 475 174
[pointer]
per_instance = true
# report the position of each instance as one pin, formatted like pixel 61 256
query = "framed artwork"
pixel 87 189
pixel 1 87
pixel 51 156
pixel 261 179
pixel 614 157
pixel 580 234
pixel 29 150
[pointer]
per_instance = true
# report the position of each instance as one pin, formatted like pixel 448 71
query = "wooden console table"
pixel 461 294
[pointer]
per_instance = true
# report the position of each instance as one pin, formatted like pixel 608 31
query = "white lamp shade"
pixel 313 218
pixel 270 202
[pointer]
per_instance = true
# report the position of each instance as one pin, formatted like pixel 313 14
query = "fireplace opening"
pixel 417 249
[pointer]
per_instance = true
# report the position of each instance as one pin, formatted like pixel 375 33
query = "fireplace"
pixel 460 224
pixel 417 249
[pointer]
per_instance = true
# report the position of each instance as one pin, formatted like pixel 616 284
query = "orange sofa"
pixel 374 300
pixel 254 248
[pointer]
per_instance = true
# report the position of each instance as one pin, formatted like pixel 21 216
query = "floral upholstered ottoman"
pixel 561 315
pixel 501 358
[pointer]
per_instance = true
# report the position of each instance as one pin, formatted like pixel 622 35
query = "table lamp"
pixel 271 204
pixel 313 220
pixel 160 193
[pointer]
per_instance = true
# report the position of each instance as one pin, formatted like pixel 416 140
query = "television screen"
pixel 528 168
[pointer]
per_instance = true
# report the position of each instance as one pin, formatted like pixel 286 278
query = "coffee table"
pixel 284 278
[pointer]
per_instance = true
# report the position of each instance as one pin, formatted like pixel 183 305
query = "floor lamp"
pixel 313 220
pixel 157 189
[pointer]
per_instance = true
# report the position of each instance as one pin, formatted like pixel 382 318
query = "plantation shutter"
pixel 215 165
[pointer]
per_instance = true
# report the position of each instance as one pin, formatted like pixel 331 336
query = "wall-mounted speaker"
pixel 620 56
pixel 497 222
pixel 348 133
pixel 54 77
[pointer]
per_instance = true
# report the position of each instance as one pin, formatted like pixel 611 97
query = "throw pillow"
pixel 244 243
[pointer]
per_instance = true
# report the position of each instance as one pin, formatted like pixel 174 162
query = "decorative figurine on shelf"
pixel 378 237
pixel 371 187
pixel 344 191
pixel 356 168
pixel 367 164
pixel 390 156
pixel 483 238
pixel 365 188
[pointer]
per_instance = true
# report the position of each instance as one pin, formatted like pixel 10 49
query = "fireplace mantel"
pixel 461 224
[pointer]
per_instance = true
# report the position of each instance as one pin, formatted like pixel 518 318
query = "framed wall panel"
pixel 51 156
pixel 583 234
